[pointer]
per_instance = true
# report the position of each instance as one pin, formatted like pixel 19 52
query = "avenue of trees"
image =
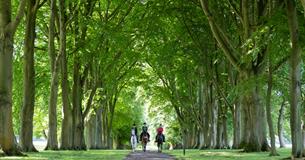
pixel 218 74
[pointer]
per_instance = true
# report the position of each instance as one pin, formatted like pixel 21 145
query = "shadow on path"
pixel 148 155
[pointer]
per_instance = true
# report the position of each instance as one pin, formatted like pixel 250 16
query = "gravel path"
pixel 148 155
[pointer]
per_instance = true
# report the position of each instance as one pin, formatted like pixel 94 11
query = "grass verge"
pixel 227 155
pixel 78 155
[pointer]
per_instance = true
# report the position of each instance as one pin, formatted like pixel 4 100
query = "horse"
pixel 159 142
pixel 133 141
pixel 144 141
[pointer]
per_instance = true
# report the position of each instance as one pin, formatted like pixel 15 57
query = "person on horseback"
pixel 160 133
pixel 134 131
pixel 144 131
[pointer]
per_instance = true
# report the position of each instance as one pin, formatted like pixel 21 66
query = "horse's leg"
pixel 131 141
pixel 161 145
pixel 135 143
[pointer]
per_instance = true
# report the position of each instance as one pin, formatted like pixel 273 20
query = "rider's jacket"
pixel 160 130
pixel 144 128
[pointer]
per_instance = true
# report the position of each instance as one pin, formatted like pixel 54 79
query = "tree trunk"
pixel 295 99
pixel 236 126
pixel 219 135
pixel 201 139
pixel 26 136
pixel 225 128
pixel 255 129
pixel 262 125
pixel 91 130
pixel 98 130
pixel 104 127
pixel 7 31
pixel 280 124
pixel 251 141
pixel 6 129
pixel 236 112
pixel 207 135
pixel 66 127
pixel 214 118
pixel 78 124
pixel 109 133
pixel 269 116
pixel 52 133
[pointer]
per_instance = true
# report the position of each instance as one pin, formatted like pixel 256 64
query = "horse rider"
pixel 144 131
pixel 160 133
pixel 134 131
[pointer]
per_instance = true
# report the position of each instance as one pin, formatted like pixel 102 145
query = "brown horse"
pixel 144 141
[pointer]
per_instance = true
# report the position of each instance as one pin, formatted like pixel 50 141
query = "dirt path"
pixel 148 155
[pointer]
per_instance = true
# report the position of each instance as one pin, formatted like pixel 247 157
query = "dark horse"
pixel 160 142
pixel 144 141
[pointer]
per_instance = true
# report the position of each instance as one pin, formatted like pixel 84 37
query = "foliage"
pixel 153 54
pixel 128 111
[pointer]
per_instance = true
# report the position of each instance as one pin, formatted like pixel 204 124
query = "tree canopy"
pixel 217 74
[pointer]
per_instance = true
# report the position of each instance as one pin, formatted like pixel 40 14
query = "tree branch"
pixel 89 102
pixel 220 37
pixel 280 63
pixel 42 3
pixel 236 11
pixel 20 13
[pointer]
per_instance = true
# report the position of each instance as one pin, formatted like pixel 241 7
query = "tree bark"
pixel 236 126
pixel 7 31
pixel 268 110
pixel 225 129
pixel 26 136
pixel 219 133
pixel 105 127
pixel 98 130
pixel 295 95
pixel 252 133
pixel 52 143
pixel 66 127
pixel 236 112
pixel 280 124
pixel 78 124
pixel 91 130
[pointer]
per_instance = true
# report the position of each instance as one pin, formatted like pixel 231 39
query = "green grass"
pixel 227 155
pixel 79 155
pixel 120 154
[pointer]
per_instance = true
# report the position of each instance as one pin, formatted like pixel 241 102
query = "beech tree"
pixel 8 27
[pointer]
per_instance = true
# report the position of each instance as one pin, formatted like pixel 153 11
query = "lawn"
pixel 120 154
pixel 79 155
pixel 227 155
